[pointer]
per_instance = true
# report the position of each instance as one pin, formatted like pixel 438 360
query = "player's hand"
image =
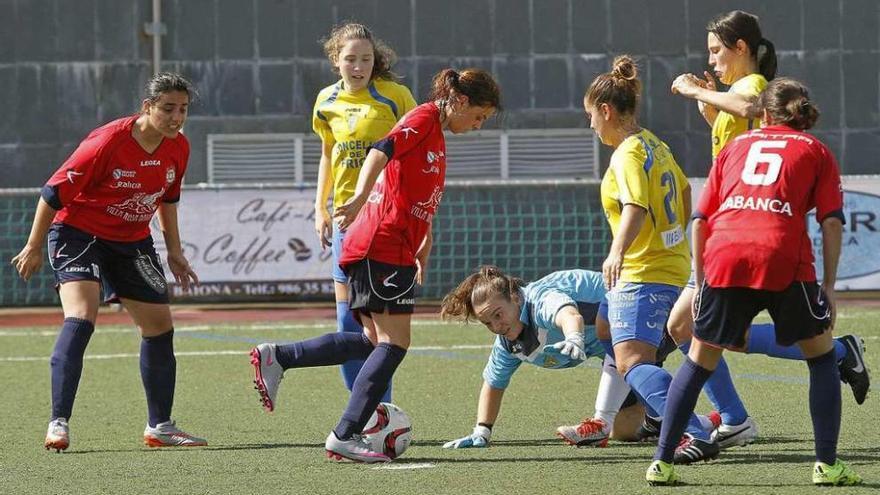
pixel 710 81
pixel 182 271
pixel 323 226
pixel 345 214
pixel 478 439
pixel 687 85
pixel 28 261
pixel 572 346
pixel 832 303
pixel 611 270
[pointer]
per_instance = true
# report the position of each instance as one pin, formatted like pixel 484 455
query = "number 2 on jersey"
pixel 667 179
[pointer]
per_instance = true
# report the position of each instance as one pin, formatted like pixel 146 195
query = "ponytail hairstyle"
pixel 787 101
pixel 739 25
pixel 383 56
pixel 165 82
pixel 619 88
pixel 478 85
pixel 476 289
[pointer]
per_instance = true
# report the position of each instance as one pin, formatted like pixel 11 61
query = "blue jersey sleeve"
pixel 500 367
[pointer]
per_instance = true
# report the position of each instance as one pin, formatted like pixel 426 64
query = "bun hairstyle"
pixel 384 57
pixel 787 101
pixel 619 88
pixel 477 84
pixel 739 25
pixel 476 289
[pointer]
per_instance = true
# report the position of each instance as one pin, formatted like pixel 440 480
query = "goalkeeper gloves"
pixel 572 346
pixel 478 439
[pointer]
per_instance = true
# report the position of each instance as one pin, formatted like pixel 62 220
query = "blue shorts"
pixel 639 311
pixel 124 269
pixel 336 248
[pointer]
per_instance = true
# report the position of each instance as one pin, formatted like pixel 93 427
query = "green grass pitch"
pixel 254 452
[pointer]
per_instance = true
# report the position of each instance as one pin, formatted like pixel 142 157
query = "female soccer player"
pixel 97 209
pixel 349 116
pixel 385 252
pixel 551 323
pixel 648 262
pixel 752 252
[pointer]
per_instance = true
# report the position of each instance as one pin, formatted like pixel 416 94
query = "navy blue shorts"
pixel 724 314
pixel 124 269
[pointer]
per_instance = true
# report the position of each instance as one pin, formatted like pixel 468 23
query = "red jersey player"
pixel 96 210
pixel 752 253
pixel 385 252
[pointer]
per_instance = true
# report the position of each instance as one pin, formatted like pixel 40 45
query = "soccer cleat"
pixel 357 449
pixel 167 434
pixel 591 432
pixel 692 449
pixel 649 431
pixel 661 474
pixel 58 435
pixel 736 435
pixel 837 475
pixel 267 374
pixel 853 370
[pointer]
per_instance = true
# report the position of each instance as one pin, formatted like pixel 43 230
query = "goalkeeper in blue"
pixel 548 323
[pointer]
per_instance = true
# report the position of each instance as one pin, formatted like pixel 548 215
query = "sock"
pixel 368 389
pixel 66 364
pixel 683 394
pixel 326 350
pixel 652 384
pixel 609 348
pixel 721 392
pixel 346 322
pixel 611 394
pixel 825 405
pixel 159 374
pixel 762 340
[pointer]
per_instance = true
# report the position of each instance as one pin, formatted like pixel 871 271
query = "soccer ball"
pixel 389 430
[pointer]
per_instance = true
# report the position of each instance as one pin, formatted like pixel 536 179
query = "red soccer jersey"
pixel 110 187
pixel 395 219
pixel 756 202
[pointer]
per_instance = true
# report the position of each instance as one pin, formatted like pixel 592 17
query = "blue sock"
pixel 839 350
pixel 328 349
pixel 346 322
pixel 367 392
pixel 609 348
pixel 825 405
pixel 66 364
pixel 683 394
pixel 762 340
pixel 652 384
pixel 159 373
pixel 722 393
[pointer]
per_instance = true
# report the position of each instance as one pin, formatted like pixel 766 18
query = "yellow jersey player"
pixel 349 116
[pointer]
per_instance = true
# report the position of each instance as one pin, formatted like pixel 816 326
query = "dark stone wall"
pixel 66 67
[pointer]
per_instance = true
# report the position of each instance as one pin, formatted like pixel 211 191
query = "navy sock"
pixel 346 322
pixel 66 364
pixel 721 392
pixel 159 374
pixel 825 405
pixel 371 383
pixel 680 402
pixel 328 349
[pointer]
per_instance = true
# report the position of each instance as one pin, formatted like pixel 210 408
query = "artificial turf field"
pixel 251 451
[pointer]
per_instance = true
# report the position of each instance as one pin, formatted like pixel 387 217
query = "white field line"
pixel 394 467
pixel 17 359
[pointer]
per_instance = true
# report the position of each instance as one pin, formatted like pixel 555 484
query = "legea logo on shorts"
pixel 861 237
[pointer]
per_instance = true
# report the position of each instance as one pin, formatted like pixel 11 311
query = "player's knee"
pixel 681 328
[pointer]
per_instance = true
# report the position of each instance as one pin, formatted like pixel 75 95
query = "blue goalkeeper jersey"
pixel 542 300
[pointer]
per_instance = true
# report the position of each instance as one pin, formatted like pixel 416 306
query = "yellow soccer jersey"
pixel 353 122
pixel 643 172
pixel 727 126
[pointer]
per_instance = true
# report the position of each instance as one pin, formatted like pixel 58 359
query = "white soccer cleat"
pixel 590 432
pixel 357 449
pixel 167 434
pixel 267 374
pixel 58 435
pixel 736 435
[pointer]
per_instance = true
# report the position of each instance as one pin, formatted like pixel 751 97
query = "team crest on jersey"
pixel 170 175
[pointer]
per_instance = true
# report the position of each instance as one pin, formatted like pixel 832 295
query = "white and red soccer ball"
pixel 389 430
